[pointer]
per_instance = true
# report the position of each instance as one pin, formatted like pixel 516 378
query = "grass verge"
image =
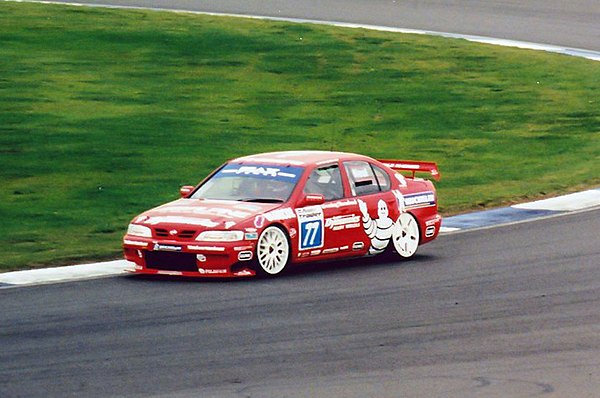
pixel 104 113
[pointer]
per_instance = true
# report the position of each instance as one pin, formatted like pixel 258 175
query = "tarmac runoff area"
pixel 484 219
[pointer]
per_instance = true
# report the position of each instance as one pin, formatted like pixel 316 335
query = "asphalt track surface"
pixel 572 23
pixel 511 311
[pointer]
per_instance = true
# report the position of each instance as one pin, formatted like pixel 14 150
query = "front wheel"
pixel 406 235
pixel 272 250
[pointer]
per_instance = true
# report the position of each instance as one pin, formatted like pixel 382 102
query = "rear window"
pixel 366 178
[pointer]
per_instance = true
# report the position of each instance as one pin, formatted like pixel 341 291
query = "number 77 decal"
pixel 310 224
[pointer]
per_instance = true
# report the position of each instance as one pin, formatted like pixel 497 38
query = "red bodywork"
pixel 318 228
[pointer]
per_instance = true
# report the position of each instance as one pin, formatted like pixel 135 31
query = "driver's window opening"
pixel 325 181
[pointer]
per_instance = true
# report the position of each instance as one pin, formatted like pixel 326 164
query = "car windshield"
pixel 251 183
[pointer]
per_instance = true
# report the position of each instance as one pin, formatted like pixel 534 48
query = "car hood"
pixel 204 214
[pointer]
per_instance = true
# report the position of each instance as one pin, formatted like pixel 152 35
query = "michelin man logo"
pixel 379 230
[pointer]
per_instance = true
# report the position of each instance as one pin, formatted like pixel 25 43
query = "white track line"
pixel 66 273
pixel 571 202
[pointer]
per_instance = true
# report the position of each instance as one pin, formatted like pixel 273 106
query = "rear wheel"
pixel 406 235
pixel 272 251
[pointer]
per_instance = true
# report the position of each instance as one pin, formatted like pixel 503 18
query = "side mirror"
pixel 185 190
pixel 312 199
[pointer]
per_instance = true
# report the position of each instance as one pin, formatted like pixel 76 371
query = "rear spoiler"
pixel 414 167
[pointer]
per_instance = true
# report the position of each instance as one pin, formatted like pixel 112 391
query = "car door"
pixel 378 206
pixel 325 230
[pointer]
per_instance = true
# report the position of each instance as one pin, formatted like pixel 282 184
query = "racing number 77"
pixel 312 234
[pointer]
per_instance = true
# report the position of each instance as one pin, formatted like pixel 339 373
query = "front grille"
pixel 165 233
pixel 171 261
pixel 187 234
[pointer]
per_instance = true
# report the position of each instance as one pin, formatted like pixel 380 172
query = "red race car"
pixel 260 213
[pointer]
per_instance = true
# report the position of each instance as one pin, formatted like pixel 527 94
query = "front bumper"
pixel 193 259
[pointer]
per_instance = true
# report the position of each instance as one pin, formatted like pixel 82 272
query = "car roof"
pixel 298 158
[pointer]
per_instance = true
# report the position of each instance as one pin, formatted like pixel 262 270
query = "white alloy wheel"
pixel 273 250
pixel 406 235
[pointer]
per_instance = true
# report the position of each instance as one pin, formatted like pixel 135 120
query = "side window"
pixel 362 178
pixel 326 181
pixel 382 178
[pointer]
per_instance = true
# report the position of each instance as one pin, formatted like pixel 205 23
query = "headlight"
pixel 220 236
pixel 139 230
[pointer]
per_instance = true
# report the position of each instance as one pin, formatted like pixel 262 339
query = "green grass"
pixel 104 113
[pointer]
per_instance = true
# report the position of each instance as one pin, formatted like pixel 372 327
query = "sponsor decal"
pixel 206 248
pixel 337 223
pixel 315 252
pixel 379 229
pixel 242 248
pixel 361 172
pixel 290 174
pixel 244 272
pixel 339 203
pixel 280 215
pixel 432 222
pixel 403 166
pixel 344 248
pixel 264 171
pixel 251 236
pixel 423 199
pixel 181 220
pixel 293 232
pixel 310 224
pixel 247 207
pixel 259 221
pixel 274 160
pixel 209 271
pixel 229 224
pixel 205 211
pixel 170 248
pixel 331 251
